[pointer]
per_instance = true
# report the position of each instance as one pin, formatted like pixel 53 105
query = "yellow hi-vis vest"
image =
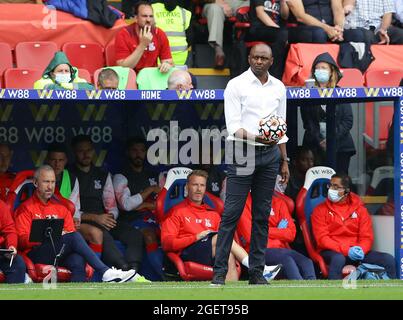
pixel 174 23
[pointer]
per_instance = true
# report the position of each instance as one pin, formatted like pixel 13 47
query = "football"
pixel 272 128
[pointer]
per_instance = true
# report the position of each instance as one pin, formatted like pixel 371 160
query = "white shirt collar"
pixel 252 78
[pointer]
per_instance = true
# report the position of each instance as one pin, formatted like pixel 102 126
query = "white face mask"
pixel 62 77
pixel 333 195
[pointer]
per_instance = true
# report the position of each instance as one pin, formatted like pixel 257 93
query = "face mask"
pixel 322 75
pixel 62 77
pixel 333 195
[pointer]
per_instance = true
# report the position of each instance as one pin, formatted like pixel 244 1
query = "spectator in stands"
pixel 180 80
pixel 66 182
pixel 316 21
pixel 99 223
pixel 398 16
pixel 60 74
pixel 135 190
pixel 216 13
pixel 140 44
pixel 6 176
pixel 171 17
pixel 281 234
pixel 327 74
pixel 14 273
pixel 108 79
pixel 370 22
pixel 267 25
pixel 343 232
pixel 191 230
pixel 76 253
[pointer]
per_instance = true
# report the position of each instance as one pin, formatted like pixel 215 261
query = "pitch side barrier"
pixel 43 116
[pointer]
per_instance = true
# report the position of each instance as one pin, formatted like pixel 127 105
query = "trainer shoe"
pixel 218 280
pixel 139 278
pixel 117 275
pixel 257 279
pixel 270 272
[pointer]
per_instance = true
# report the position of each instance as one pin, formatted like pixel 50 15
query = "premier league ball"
pixel 272 128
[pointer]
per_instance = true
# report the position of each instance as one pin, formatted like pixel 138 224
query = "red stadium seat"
pixel 21 78
pixel 21 189
pixel 387 77
pixel 351 78
pixel 386 57
pixel 110 54
pixel 131 81
pixel 35 55
pixel 88 56
pixel 172 194
pixel 84 74
pixel 6 58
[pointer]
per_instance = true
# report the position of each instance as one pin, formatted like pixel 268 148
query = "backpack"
pixel 367 271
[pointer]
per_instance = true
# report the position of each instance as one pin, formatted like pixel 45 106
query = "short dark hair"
pixel 57 147
pixel 135 140
pixel 80 138
pixel 197 173
pixel 138 4
pixel 345 180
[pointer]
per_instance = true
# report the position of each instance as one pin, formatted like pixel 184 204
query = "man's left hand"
pixel 165 66
pixel 284 172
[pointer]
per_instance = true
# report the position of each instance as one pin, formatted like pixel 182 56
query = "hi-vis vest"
pixel 174 23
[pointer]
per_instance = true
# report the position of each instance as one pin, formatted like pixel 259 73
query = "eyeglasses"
pixel 335 187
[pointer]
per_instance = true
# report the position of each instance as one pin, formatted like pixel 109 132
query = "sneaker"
pixel 139 278
pixel 270 272
pixel 257 279
pixel 117 275
pixel 218 280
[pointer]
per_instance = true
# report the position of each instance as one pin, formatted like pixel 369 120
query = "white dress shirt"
pixel 247 101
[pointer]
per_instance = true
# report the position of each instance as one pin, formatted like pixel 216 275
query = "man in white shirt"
pixel 248 98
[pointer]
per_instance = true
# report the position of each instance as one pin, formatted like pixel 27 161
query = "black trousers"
pixel 368 36
pixel 307 34
pixel 258 176
pixel 131 238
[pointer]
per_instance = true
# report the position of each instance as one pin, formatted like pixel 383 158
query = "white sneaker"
pixel 270 272
pixel 117 275
pixel 27 279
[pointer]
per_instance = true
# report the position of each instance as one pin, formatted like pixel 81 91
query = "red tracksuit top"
pixel 339 226
pixel 184 222
pixel 33 208
pixel 278 238
pixel 8 233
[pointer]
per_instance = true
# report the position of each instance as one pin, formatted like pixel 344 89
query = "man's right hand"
pixel 202 234
pixel 146 36
pixel 106 220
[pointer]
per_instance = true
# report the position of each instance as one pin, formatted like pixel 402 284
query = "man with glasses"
pixel 343 231
pixel 248 98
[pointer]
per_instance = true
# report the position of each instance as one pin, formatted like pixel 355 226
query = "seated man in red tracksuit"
pixel 281 232
pixel 43 205
pixel 343 232
pixel 191 230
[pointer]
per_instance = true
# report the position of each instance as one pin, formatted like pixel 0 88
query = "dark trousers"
pixel 15 273
pixel 76 254
pixel 278 42
pixel 295 265
pixel 343 161
pixel 336 261
pixel 307 34
pixel 368 36
pixel 133 240
pixel 259 180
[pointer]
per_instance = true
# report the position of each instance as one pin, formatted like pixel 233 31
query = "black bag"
pixel 348 57
pixel 367 271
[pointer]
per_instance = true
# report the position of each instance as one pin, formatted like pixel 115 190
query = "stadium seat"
pixel 88 56
pixel 351 78
pixel 153 79
pixel 18 78
pixel 35 55
pixel 172 194
pixel 21 189
pixel 383 77
pixel 6 58
pixel 131 83
pixel 386 57
pixel 84 74
pixel 300 58
pixel 313 193
pixel 110 54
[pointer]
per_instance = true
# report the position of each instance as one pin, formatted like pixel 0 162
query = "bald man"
pixel 248 98
pixel 180 80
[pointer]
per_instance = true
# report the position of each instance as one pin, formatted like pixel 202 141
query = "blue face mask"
pixel 322 75
pixel 333 195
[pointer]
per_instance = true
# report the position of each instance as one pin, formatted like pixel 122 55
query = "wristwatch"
pixel 285 159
